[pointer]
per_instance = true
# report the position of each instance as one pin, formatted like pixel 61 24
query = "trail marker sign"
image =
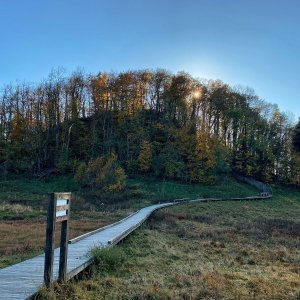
pixel 58 212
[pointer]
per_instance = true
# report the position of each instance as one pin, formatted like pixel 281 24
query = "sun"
pixel 197 94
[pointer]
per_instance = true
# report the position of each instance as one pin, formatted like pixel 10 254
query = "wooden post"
pixel 58 211
pixel 63 257
pixel 50 232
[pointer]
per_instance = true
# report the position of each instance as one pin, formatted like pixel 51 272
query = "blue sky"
pixel 253 43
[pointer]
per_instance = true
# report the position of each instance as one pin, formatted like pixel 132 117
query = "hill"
pixel 156 123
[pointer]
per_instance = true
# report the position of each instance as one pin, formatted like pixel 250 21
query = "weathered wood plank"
pixel 65 196
pixel 62 218
pixel 62 207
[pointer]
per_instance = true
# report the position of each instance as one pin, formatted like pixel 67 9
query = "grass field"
pixel 23 204
pixel 223 250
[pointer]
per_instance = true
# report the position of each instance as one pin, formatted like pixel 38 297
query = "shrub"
pixel 102 173
pixel 81 175
pixel 119 180
pixel 66 165
pixel 108 260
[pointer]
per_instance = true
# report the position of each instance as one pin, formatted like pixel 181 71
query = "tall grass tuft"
pixel 108 260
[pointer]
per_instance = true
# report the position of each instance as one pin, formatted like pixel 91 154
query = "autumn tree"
pixel 103 173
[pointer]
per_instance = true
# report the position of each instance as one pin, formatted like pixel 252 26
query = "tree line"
pixel 153 122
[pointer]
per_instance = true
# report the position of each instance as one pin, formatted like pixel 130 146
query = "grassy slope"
pixel 164 190
pixel 226 250
pixel 23 204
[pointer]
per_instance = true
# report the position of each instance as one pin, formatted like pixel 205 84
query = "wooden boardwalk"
pixel 24 279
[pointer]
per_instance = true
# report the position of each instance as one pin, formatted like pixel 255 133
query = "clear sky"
pixel 253 43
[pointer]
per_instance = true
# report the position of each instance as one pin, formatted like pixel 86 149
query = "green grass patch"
pixel 108 260
pixel 139 193
pixel 34 192
pixel 160 190
pixel 19 212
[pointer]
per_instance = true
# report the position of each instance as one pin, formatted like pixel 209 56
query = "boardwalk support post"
pixel 58 211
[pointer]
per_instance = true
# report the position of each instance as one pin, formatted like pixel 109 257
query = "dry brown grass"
pixel 24 238
pixel 204 251
pixel 229 250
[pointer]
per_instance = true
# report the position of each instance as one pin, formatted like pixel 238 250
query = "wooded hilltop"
pixel 145 122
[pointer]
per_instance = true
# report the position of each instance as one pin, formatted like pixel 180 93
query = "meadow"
pixel 23 204
pixel 219 250
pixel 223 250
